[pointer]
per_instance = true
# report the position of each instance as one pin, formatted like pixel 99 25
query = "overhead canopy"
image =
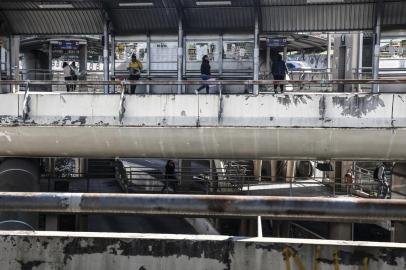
pixel 141 16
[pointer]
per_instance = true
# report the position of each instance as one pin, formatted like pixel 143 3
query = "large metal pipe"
pixel 311 208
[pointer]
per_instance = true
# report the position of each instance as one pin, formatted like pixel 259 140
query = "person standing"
pixel 205 73
pixel 279 71
pixel 170 176
pixel 67 73
pixel 134 69
pixel 380 177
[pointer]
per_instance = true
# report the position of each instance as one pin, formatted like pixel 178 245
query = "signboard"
pixel 277 42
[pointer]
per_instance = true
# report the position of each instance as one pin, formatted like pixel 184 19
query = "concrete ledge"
pixel 68 250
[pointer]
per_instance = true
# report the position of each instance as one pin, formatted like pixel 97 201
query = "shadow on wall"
pixel 358 106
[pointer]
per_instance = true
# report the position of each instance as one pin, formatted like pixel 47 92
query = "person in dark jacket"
pixel 204 73
pixel 170 176
pixel 279 71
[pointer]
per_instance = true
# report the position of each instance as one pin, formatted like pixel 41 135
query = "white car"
pixel 299 70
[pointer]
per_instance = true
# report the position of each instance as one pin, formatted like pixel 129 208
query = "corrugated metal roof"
pixel 139 20
pixel 25 17
pixel 395 13
pixel 55 22
pixel 317 18
pixel 219 18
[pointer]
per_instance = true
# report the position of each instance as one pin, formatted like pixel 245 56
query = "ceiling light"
pixel 136 4
pixel 213 3
pixel 55 5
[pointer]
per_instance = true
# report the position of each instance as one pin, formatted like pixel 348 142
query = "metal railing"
pixel 319 85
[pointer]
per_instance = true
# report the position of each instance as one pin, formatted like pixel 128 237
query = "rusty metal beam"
pixel 310 208
pixel 199 82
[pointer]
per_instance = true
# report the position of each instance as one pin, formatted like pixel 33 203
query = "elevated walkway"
pixel 294 125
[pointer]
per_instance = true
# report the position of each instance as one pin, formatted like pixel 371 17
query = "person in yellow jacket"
pixel 134 68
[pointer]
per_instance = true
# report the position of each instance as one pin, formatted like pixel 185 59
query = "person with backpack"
pixel 380 177
pixel 134 68
pixel 67 73
pixel 279 71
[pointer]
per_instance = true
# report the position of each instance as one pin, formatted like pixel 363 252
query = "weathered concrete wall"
pixel 296 126
pixel 271 110
pixel 58 250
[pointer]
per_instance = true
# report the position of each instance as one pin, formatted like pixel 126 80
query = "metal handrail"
pixel 207 82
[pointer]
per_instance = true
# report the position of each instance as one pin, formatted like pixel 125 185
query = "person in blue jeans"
pixel 204 73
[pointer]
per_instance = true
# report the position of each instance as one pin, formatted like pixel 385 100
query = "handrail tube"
pixel 344 209
pixel 200 82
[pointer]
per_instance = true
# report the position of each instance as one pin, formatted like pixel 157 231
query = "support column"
pixel 180 53
pixel 258 169
pixel 290 170
pixel 221 61
pixel 359 62
pixel 106 55
pixel 377 43
pixel 256 54
pixel 399 232
pixel 329 70
pixel 15 60
pixel 274 170
pixel 113 61
pixel 148 87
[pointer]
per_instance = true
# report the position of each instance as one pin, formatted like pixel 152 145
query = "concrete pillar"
pixel 258 169
pixel 106 56
pixel 256 53
pixel 80 166
pixel 377 42
pixel 290 170
pixel 180 52
pixel 274 170
pixel 340 231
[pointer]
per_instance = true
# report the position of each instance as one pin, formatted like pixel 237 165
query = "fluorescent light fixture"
pixel 324 1
pixel 135 4
pixel 55 5
pixel 213 3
